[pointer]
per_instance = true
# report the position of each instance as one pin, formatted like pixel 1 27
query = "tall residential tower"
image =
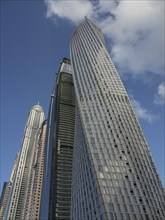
pixel 114 176
pixel 33 204
pixel 56 191
pixel 19 192
pixel 6 190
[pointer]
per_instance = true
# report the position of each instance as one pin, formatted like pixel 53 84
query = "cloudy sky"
pixel 35 36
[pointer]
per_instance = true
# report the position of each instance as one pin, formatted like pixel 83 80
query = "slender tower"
pixel 56 190
pixel 18 196
pixel 33 205
pixel 4 198
pixel 6 190
pixel 114 176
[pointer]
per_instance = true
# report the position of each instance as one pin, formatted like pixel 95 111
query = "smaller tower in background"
pixel 33 206
pixel 21 175
pixel 4 198
pixel 6 190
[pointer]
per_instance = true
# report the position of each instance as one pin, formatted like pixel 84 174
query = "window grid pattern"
pixel 34 197
pixel 86 197
pixel 18 196
pixel 123 166
pixel 61 142
pixel 4 198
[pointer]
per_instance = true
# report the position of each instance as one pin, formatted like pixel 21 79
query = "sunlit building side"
pixel 19 192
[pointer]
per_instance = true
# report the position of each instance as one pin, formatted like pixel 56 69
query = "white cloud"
pixel 141 112
pixel 138 35
pixel 135 29
pixel 68 9
pixel 160 96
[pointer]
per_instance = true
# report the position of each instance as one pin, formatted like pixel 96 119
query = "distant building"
pixel 114 176
pixel 56 191
pixel 19 192
pixel 4 198
pixel 33 206
pixel 6 190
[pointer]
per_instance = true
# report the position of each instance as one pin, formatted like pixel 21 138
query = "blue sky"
pixel 35 36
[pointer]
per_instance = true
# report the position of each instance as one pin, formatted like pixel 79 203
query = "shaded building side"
pixel 60 140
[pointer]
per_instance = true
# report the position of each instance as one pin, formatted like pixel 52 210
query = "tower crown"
pixel 38 108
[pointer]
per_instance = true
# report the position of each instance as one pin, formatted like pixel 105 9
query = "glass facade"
pixel 114 176
pixel 56 192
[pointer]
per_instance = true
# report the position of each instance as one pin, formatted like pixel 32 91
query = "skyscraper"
pixel 33 205
pixel 114 176
pixel 4 197
pixel 56 190
pixel 19 193
pixel 6 190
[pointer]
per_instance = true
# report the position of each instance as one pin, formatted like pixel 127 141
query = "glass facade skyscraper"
pixel 19 195
pixel 56 190
pixel 114 176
